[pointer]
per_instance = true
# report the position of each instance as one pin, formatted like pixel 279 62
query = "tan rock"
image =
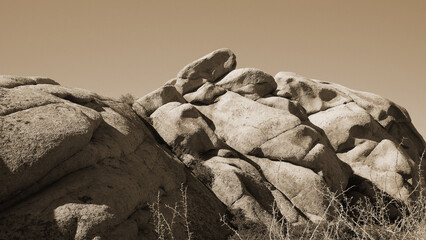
pixel 287 209
pixel 312 95
pixel 325 163
pixel 246 124
pixel 368 148
pixel 206 94
pixel 394 118
pixel 86 217
pixel 391 183
pixel 381 109
pixel 181 125
pixel 240 186
pixel 285 104
pixel 292 145
pixel 34 141
pixel 389 157
pixel 303 187
pixel 7 81
pixel 73 172
pixel 406 134
pixel 379 162
pixel 210 67
pixel 18 99
pixel 171 82
pixel 344 123
pixel 74 164
pixel 359 153
pixel 248 82
pixel 146 105
pixel 184 86
pixel 303 146
pixel 76 95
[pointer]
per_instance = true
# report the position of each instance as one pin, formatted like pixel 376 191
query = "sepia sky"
pixel 116 47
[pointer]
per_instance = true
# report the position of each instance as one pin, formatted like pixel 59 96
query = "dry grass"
pixel 377 217
pixel 365 219
pixel 164 227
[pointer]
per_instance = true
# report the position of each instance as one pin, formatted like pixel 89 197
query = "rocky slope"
pixel 76 165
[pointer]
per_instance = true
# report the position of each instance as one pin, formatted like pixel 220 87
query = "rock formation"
pixel 76 165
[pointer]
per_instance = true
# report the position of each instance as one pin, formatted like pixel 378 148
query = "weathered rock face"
pixel 76 165
pixel 210 67
pixel 249 82
pixel 294 139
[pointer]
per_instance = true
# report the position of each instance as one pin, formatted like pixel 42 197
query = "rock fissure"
pixel 238 139
pixel 345 103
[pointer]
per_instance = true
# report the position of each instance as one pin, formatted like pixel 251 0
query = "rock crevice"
pixel 76 165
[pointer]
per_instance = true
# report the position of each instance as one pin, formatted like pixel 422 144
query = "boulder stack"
pixel 76 165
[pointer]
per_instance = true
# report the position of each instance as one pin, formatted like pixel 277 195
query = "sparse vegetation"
pixel 127 98
pixel 203 173
pixel 362 218
pixel 195 163
pixel 377 217
pixel 243 228
pixel 372 221
pixel 164 227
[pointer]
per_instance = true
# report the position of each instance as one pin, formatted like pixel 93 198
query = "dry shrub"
pixel 195 163
pixel 363 219
pixel 165 227
pixel 373 221
pixel 378 217
pixel 127 99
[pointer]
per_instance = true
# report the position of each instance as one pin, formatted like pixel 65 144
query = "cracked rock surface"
pixel 293 138
pixel 77 165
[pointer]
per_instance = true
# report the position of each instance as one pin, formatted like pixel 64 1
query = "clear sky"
pixel 117 47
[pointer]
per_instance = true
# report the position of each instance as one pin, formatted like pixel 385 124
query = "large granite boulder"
pixel 146 105
pixel 182 126
pixel 76 165
pixel 249 82
pixel 210 67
